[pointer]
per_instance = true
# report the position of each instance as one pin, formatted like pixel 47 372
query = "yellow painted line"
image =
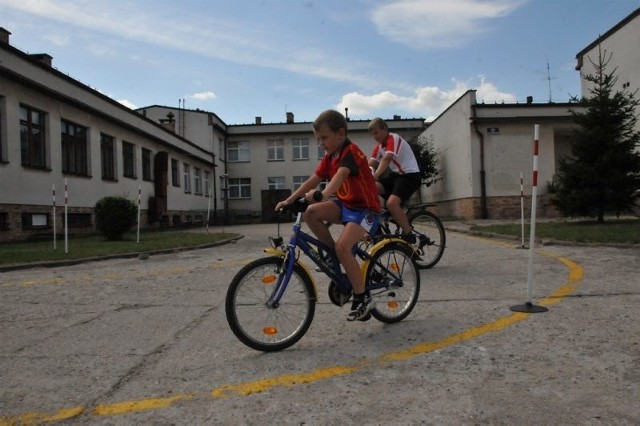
pixel 139 405
pixel 283 381
pixel 576 274
pixel 33 418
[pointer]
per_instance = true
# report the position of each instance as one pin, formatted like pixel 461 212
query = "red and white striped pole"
pixel 522 209
pixel 53 189
pixel 529 306
pixel 138 232
pixel 66 219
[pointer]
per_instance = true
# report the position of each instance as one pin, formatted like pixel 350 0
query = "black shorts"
pixel 402 186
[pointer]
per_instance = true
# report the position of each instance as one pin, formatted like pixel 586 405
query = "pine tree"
pixel 602 175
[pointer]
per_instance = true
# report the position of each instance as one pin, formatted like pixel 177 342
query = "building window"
pixel 239 187
pixel 207 184
pixel 35 220
pixel 300 149
pixel 276 182
pixel 74 148
pixel 238 151
pixel 299 180
pixel 128 160
pixel 187 177
pixel 275 150
pixel 79 220
pixel 4 221
pixel 197 180
pixel 107 157
pixel 2 145
pixel 32 138
pixel 175 174
pixel 146 164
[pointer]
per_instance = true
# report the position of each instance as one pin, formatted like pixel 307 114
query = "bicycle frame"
pixel 312 247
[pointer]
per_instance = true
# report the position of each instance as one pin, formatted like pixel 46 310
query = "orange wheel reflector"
pixel 392 304
pixel 269 279
pixel 395 267
pixel 270 331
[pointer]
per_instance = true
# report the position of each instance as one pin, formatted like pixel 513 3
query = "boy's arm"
pixel 335 182
pixel 384 164
pixel 302 190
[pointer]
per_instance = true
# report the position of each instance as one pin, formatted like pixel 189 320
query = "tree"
pixel 602 174
pixel 427 159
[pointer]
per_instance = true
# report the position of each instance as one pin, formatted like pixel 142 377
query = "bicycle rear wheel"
pixel 394 282
pixel 263 327
pixel 431 238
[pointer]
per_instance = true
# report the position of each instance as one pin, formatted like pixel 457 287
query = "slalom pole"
pixel 522 209
pixel 66 218
pixel 208 211
pixel 138 231
pixel 53 189
pixel 529 306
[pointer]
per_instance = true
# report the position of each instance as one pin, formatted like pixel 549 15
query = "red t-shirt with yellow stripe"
pixel 358 191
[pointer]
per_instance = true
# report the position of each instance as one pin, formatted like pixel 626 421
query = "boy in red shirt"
pixel 352 182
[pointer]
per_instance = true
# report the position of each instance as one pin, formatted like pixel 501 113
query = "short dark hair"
pixel 332 119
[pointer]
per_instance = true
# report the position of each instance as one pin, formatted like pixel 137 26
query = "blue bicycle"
pixel 271 301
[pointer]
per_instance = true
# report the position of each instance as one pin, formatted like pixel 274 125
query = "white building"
pixel 183 165
pixel 484 148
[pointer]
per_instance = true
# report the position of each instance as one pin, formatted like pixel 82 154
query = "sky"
pixel 243 59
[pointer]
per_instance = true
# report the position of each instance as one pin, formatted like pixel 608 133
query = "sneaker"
pixel 328 260
pixel 409 238
pixel 361 309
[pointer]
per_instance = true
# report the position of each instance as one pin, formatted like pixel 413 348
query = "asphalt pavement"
pixel 145 341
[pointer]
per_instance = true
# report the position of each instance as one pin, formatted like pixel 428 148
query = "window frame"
pixel 175 172
pixel 108 157
pixel 147 172
pixel 298 146
pixel 33 153
pixel 275 150
pixel 279 182
pixel 241 151
pixel 239 188
pixel 74 145
pixel 128 160
pixel 186 175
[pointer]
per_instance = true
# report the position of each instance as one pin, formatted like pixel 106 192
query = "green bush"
pixel 115 216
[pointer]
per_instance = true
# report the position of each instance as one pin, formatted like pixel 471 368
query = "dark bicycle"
pixel 430 234
pixel 271 301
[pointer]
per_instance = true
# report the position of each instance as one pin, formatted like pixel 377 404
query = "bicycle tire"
pixel 429 225
pixel 254 323
pixel 397 300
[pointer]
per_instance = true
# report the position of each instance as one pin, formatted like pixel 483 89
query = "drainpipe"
pixel 483 188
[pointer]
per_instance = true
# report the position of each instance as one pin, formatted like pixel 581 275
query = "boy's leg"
pixel 362 303
pixel 319 213
pixel 350 235
pixel 394 205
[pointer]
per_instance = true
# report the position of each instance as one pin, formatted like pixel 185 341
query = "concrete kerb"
pixel 142 255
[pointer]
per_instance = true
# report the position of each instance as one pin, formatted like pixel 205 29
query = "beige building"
pixel 183 166
pixel 621 42
pixel 258 164
pixel 484 148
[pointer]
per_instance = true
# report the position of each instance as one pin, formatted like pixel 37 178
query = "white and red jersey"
pixel 403 161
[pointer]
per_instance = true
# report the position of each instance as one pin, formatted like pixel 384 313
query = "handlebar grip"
pixel 317 196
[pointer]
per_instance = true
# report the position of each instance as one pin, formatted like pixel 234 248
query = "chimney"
pixel 529 100
pixel 258 120
pixel 4 35
pixel 169 123
pixel 396 117
pixel 43 57
pixel 289 118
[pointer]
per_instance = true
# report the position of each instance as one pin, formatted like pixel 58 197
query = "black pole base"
pixel 529 308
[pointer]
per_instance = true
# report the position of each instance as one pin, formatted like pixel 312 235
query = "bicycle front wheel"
pixel 431 238
pixel 259 325
pixel 394 280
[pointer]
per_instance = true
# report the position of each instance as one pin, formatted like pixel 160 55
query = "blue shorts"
pixel 366 218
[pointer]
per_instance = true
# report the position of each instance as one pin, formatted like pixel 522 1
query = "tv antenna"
pixel 549 78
